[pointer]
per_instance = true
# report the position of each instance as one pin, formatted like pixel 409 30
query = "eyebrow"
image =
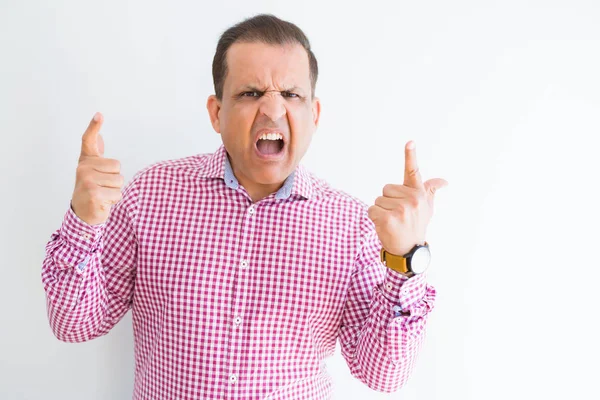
pixel 256 89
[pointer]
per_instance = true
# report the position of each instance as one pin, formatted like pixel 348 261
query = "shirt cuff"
pixel 80 234
pixel 402 291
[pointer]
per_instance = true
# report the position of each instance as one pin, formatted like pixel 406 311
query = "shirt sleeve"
pixel 384 318
pixel 88 271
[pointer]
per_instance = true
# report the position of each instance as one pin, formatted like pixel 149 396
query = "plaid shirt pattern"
pixel 235 299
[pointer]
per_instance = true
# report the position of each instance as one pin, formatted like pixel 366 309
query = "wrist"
pixel 405 250
pixel 412 262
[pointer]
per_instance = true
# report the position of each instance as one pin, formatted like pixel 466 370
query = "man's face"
pixel 267 90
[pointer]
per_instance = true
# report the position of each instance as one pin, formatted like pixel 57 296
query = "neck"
pixel 256 191
pixel 259 193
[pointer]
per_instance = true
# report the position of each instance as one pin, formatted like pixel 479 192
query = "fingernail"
pixel 411 145
pixel 97 117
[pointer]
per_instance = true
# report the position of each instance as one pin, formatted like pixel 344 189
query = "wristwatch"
pixel 412 263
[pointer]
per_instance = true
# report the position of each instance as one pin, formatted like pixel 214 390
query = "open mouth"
pixel 270 144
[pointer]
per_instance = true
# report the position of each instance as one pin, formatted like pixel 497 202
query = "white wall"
pixel 502 99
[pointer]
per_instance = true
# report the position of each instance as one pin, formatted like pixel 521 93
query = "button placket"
pixel 239 299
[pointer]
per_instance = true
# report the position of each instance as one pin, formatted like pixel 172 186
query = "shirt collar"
pixel 218 166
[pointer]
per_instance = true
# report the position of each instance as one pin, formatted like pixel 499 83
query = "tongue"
pixel 268 146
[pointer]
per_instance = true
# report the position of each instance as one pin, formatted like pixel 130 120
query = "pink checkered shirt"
pixel 233 299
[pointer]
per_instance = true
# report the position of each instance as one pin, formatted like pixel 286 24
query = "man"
pixel 242 268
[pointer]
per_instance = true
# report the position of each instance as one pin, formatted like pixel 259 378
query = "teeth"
pixel 271 136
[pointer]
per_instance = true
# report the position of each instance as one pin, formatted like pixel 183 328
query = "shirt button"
pixel 237 320
pixel 232 378
pixel 251 210
pixel 389 286
pixel 85 235
pixel 244 264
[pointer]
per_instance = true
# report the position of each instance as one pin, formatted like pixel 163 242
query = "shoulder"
pixel 195 165
pixel 325 192
pixel 347 211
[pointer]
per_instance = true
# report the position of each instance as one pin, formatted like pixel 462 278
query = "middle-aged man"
pixel 243 269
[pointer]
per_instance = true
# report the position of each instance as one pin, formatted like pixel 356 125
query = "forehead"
pixel 267 65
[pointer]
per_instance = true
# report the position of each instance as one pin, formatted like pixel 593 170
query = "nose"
pixel 272 105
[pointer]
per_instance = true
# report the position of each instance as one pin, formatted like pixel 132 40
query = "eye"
pixel 251 94
pixel 290 94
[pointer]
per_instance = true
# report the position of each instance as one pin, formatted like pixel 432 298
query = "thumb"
pixel 92 144
pixel 432 185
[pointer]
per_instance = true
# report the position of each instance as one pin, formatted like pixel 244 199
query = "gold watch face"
pixel 420 260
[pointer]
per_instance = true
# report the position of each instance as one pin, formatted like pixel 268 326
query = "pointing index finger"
pixel 92 144
pixel 412 176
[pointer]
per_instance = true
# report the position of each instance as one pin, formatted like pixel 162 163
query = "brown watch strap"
pixel 394 262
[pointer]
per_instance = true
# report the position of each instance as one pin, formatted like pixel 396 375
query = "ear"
pixel 316 110
pixel 213 105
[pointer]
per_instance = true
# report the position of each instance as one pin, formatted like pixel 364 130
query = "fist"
pixel 98 180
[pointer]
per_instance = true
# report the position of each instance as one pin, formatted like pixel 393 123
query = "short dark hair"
pixel 264 28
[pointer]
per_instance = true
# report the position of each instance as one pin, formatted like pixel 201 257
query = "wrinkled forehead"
pixel 266 66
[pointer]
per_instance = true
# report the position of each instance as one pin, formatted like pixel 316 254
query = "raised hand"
pixel 98 180
pixel 402 214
